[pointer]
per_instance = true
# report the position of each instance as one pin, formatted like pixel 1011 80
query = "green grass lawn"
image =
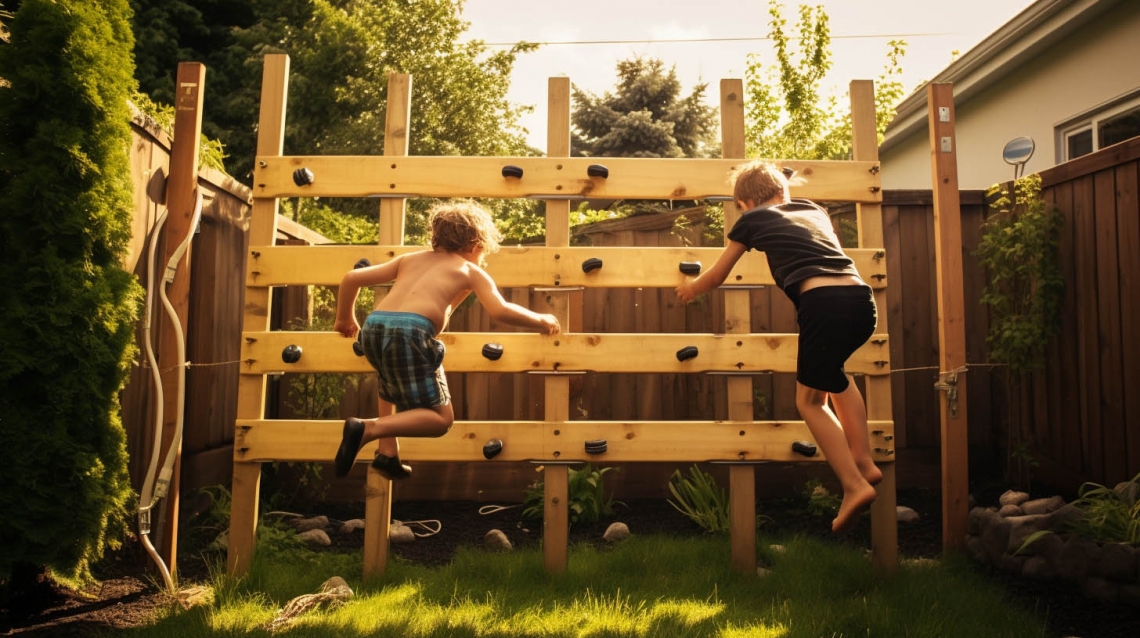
pixel 647 586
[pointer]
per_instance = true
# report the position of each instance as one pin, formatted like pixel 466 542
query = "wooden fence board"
pixel 1108 324
pixel 1085 280
pixel 1128 248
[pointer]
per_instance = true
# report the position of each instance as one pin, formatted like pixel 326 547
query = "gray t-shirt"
pixel 798 240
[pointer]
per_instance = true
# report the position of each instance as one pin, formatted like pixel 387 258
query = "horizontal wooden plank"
pixel 626 441
pixel 532 352
pixel 546 178
pixel 522 266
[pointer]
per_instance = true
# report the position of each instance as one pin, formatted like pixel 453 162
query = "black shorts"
pixel 834 322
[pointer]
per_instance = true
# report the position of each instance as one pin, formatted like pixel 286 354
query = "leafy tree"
pixel 67 307
pixel 645 116
pixel 785 116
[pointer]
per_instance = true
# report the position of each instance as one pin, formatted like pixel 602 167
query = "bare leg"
pixel 852 415
pixel 857 492
pixel 417 422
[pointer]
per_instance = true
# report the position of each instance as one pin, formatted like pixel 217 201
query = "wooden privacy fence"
pixel 556 272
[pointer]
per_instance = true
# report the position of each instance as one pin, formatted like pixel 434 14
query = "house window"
pixel 1102 128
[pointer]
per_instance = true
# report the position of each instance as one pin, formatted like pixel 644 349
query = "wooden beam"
pixel 397 123
pixel 575 352
pixel 251 388
pixel 190 91
pixel 865 147
pixel 951 316
pixel 552 177
pixel 557 441
pixel 520 266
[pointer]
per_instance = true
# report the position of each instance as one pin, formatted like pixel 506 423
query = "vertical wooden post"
pixel 951 316
pixel 190 90
pixel 378 490
pixel 251 387
pixel 556 512
pixel 865 147
pixel 737 319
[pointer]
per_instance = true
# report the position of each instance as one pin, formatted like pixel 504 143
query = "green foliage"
pixel 588 500
pixel 700 499
pixel 644 117
pixel 820 501
pixel 1106 516
pixel 785 114
pixel 67 307
pixel 211 153
pixel 1021 254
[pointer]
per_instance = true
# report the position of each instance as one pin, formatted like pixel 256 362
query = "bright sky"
pixel 933 30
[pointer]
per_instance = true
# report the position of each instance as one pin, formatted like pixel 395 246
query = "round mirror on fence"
pixel 1017 152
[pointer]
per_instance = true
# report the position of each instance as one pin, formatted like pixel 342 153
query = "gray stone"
pixel 906 514
pixel 496 540
pixel 316 537
pixel 1013 564
pixel 1039 568
pixel 763 571
pixel 1012 497
pixel 1065 516
pixel 1043 505
pixel 1100 589
pixel 616 532
pixel 1021 527
pixel 1117 562
pixel 778 549
pixel 1010 510
pixel 1129 595
pixel 975 520
pixel 1075 557
pixel 400 533
pixel 351 526
pixel 306 524
pixel 976 548
pixel 1048 546
pixel 995 537
pixel 1128 492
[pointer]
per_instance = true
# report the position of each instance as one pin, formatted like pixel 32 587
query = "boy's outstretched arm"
pixel 714 276
pixel 350 286
pixel 502 310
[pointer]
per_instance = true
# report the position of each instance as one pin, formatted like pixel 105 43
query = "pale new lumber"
pixel 533 352
pixel 546 178
pixel 627 441
pixel 515 266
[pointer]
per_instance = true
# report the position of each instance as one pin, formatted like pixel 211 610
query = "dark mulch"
pixel 128 595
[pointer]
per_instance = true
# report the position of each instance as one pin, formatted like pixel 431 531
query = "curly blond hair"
pixel 759 181
pixel 460 226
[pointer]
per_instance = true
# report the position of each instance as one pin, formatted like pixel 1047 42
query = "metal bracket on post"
pixel 948 382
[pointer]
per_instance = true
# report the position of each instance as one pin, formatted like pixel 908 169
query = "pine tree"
pixel 67 307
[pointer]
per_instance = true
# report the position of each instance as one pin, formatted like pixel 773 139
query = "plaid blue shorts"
pixel 409 359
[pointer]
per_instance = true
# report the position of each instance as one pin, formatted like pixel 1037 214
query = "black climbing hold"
pixel 357 346
pixel 493 351
pixel 691 267
pixel 597 170
pixel 362 263
pixel 597 446
pixel 492 448
pixel 593 263
pixel 512 171
pixel 291 353
pixel 686 353
pixel 303 177
pixel 788 172
pixel 807 448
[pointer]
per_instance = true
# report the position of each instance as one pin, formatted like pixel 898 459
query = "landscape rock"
pixel 1128 492
pixel 1039 568
pixel 352 525
pixel 400 533
pixel 1011 510
pixel 1100 589
pixel 1043 505
pixel 906 514
pixel 306 524
pixel 316 537
pixel 1012 497
pixel 1117 562
pixel 1021 527
pixel 616 532
pixel 496 540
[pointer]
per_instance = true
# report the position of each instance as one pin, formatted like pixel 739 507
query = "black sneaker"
pixel 349 446
pixel 391 468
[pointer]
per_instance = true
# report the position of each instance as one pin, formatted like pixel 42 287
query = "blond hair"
pixel 460 226
pixel 759 181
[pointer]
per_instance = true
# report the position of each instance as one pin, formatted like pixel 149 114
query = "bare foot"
pixel 871 473
pixel 853 503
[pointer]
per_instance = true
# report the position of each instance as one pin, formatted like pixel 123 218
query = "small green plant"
pixel 588 500
pixel 820 501
pixel 1106 517
pixel 700 499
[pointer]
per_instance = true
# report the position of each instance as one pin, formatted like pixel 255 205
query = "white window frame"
pixel 1090 120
